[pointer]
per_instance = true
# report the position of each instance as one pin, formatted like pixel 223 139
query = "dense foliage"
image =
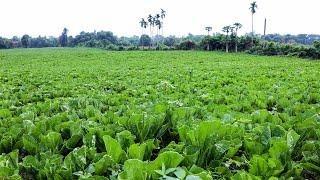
pixel 305 39
pixel 274 45
pixel 273 49
pixel 93 114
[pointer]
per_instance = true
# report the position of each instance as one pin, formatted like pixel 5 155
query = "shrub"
pixel 186 45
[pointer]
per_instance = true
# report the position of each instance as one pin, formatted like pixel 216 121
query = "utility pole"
pixel 264 32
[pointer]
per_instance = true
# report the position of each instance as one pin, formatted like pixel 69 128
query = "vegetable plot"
pixel 92 114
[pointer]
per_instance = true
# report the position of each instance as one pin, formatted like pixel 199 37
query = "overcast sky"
pixel 49 17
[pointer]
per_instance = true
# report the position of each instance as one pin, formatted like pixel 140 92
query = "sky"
pixel 49 17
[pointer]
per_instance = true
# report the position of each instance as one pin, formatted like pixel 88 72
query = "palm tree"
pixel 154 19
pixel 232 33
pixel 227 29
pixel 143 24
pixel 208 28
pixel 157 23
pixel 253 7
pixel 237 26
pixel 64 37
pixel 163 15
pixel 157 16
pixel 151 23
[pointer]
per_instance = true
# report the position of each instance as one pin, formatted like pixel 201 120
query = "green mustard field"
pixel 94 114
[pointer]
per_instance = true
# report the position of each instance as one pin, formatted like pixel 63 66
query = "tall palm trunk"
pixel 150 44
pixel 236 44
pixel 236 41
pixel 227 47
pixel 252 31
pixel 227 44
pixel 157 38
pixel 162 30
pixel 141 36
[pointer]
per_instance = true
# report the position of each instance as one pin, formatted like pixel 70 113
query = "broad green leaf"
pixel 266 135
pixel 78 159
pixel 30 161
pixel 52 141
pixel 292 139
pixel 241 175
pixel 258 166
pixel 73 141
pixel 169 159
pixel 13 159
pixel 193 177
pixel 253 147
pixel 180 173
pixel 275 167
pixel 103 164
pixel 94 178
pixel 6 171
pixel 195 169
pixel 5 113
pixel 134 169
pixel 273 178
pixel 90 140
pixel 280 150
pixel 311 167
pixel 137 151
pixel 203 176
pixel 113 148
pixel 14 177
pixel 125 139
pixel 9 164
pixel 30 144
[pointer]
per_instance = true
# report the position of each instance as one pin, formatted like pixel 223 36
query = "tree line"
pixel 273 44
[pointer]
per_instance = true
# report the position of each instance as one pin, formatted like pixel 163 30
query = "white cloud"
pixel 49 17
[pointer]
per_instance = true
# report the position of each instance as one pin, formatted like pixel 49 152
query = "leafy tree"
pixel 25 41
pixel 145 40
pixel 237 26
pixel 170 41
pixel 253 7
pixel 3 44
pixel 82 38
pixel 187 45
pixel 316 44
pixel 63 39
pixel 106 37
pixel 15 42
pixel 129 41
